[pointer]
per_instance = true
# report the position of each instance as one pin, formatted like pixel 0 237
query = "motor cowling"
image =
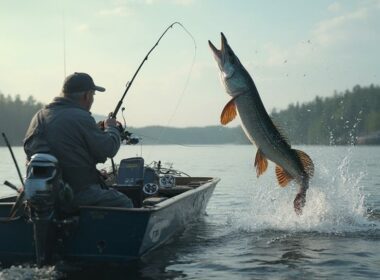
pixel 42 182
pixel 42 187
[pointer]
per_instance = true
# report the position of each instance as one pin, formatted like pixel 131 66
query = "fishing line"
pixel 129 84
pixel 118 106
pixel 64 40
pixel 185 86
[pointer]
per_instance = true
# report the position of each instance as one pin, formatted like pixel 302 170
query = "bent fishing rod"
pixel 129 84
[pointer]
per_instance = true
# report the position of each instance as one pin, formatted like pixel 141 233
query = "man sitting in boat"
pixel 66 129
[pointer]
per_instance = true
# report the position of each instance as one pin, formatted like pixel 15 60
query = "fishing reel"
pixel 125 135
pixel 128 137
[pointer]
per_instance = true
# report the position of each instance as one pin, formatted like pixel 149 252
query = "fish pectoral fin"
pixel 228 113
pixel 261 163
pixel 283 177
pixel 306 161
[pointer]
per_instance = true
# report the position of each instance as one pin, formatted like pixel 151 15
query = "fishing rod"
pixel 21 195
pixel 129 83
pixel 13 187
pixel 13 157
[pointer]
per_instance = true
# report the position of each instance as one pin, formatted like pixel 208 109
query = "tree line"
pixel 207 135
pixel 15 116
pixel 338 119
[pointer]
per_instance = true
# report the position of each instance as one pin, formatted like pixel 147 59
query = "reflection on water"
pixel 153 266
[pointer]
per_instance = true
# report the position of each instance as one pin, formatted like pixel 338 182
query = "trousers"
pixel 95 195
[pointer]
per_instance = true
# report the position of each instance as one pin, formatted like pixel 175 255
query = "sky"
pixel 294 50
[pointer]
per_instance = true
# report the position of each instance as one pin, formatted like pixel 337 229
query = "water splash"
pixel 335 202
pixel 29 272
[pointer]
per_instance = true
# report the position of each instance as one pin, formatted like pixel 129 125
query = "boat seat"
pixel 150 201
pixel 133 192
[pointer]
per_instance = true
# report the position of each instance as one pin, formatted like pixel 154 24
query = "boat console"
pixel 135 180
pixel 149 185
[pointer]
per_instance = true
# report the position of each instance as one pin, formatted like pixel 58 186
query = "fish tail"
pixel 300 200
pixel 308 167
pixel 307 164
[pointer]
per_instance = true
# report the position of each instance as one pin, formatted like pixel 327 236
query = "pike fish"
pixel 291 164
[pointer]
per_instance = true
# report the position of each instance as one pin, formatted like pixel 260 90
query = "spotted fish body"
pixel 291 164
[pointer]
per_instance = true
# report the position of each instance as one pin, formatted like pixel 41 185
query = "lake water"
pixel 250 230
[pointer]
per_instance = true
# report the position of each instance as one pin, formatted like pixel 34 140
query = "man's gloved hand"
pixel 110 122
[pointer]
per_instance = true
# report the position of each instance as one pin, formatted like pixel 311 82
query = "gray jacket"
pixel 68 132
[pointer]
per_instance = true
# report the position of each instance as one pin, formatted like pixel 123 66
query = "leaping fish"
pixel 291 164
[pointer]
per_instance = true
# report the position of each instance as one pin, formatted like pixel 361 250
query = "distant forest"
pixel 207 135
pixel 338 119
pixel 15 116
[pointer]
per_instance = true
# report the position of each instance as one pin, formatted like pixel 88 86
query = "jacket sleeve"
pixel 35 141
pixel 101 144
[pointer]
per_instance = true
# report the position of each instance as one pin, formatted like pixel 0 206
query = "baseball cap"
pixel 79 82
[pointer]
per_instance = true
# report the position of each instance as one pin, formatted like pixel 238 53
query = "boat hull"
pixel 109 235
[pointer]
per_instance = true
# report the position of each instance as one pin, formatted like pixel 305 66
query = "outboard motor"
pixel 42 186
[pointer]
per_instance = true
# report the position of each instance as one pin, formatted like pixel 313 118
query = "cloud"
pixel 120 11
pixel 340 28
pixel 344 32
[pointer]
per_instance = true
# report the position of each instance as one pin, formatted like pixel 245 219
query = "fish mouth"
pixel 219 54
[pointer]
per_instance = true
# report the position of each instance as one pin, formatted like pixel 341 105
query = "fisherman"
pixel 66 129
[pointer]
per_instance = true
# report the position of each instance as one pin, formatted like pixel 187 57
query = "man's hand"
pixel 106 123
pixel 115 123
pixel 110 122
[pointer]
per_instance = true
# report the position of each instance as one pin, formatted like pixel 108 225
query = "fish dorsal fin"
pixel 281 131
pixel 261 163
pixel 306 161
pixel 283 177
pixel 229 112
